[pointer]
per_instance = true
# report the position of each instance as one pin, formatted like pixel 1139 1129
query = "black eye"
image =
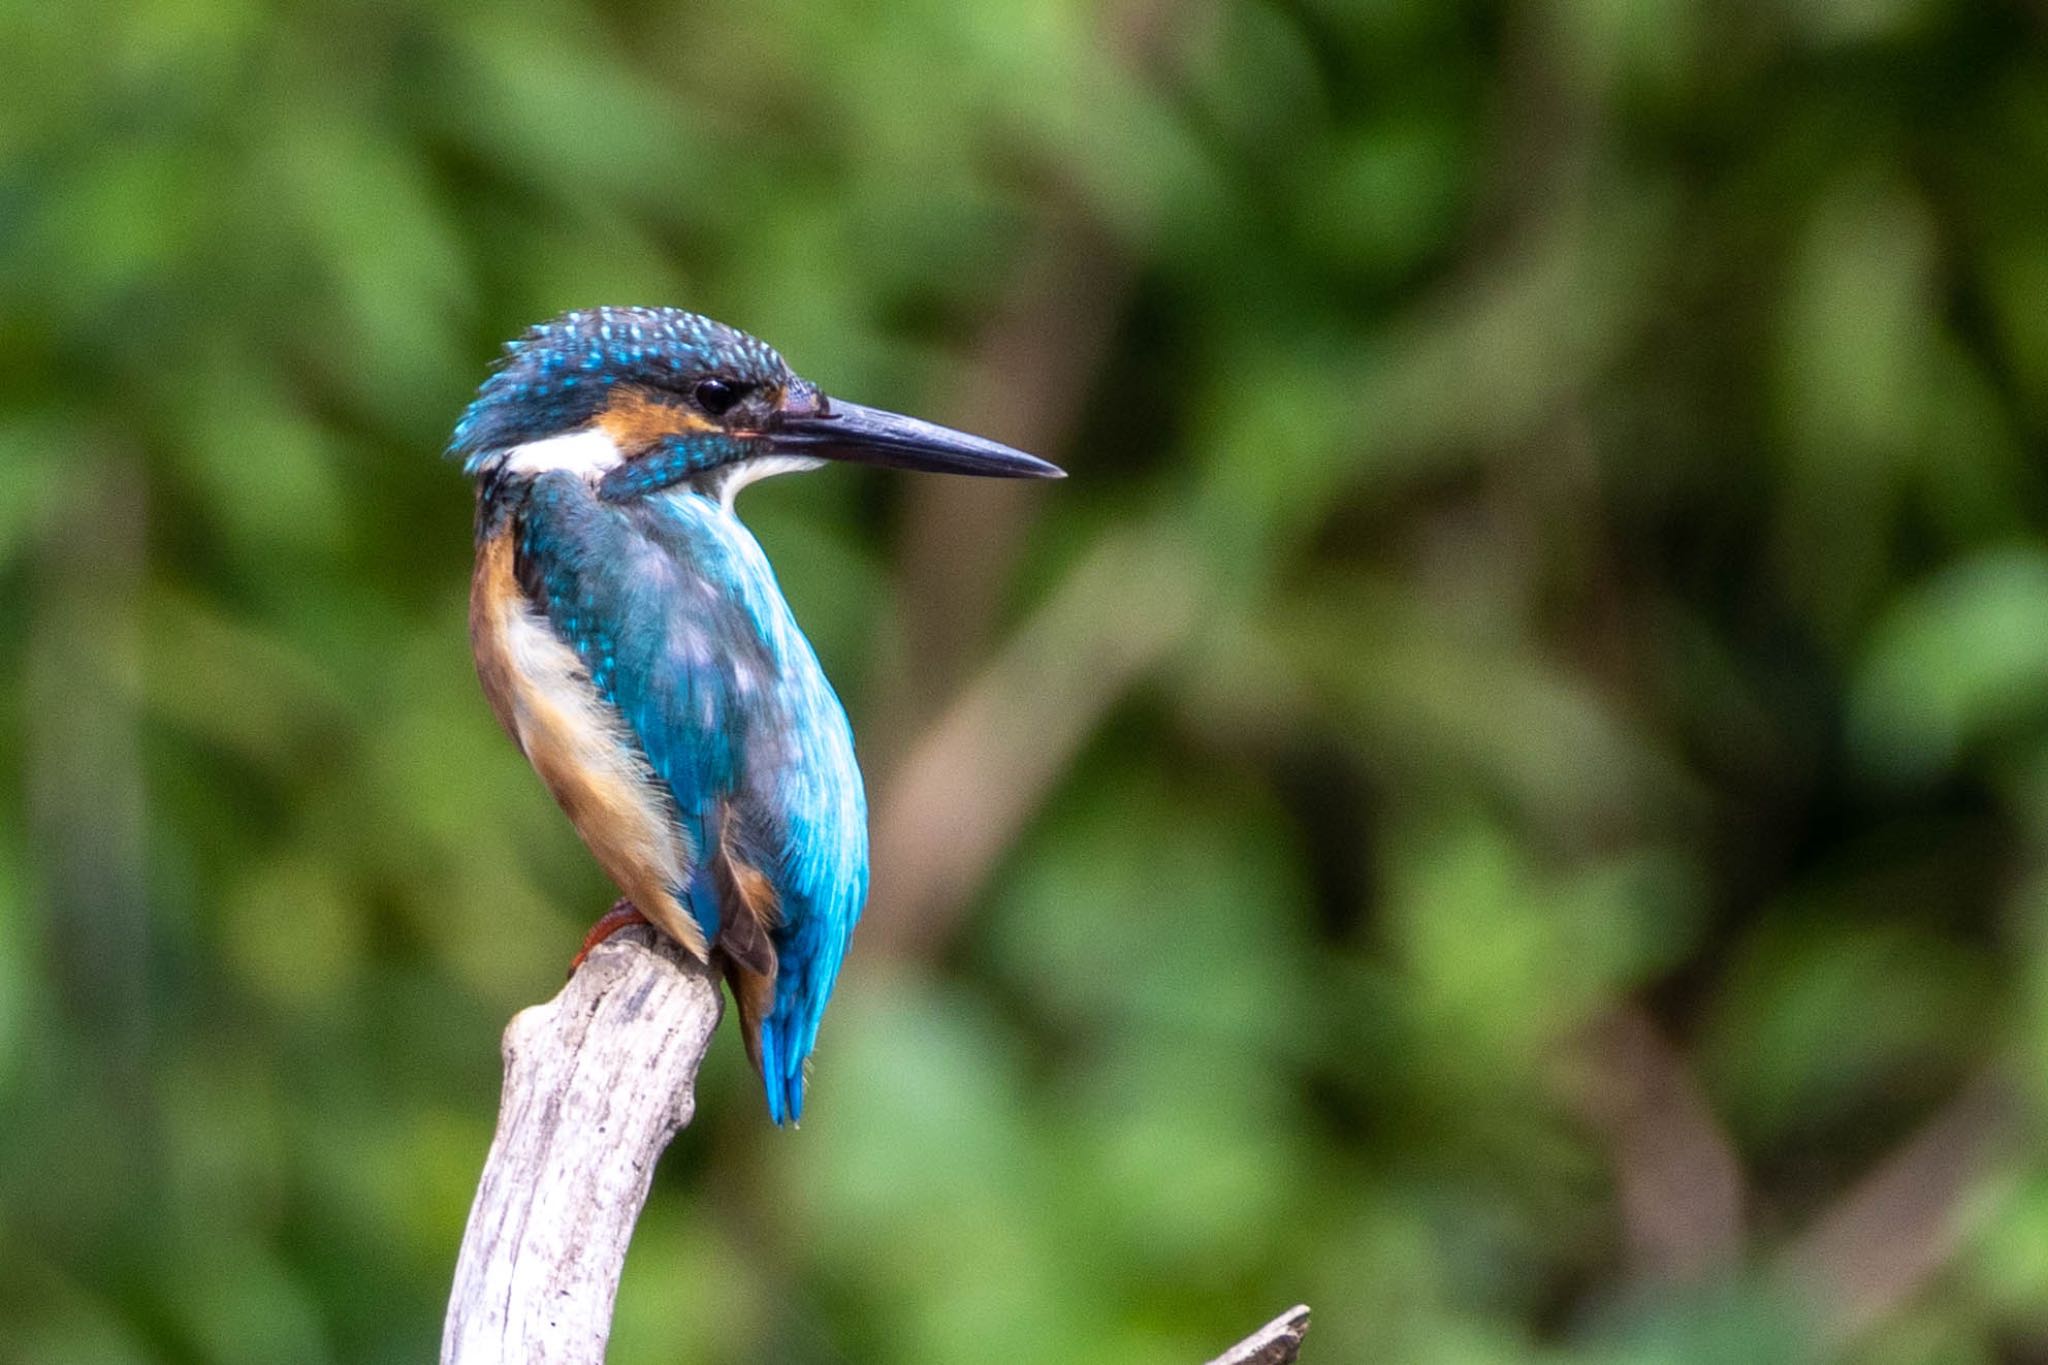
pixel 717 396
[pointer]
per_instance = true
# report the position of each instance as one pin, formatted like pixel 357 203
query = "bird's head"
pixel 639 399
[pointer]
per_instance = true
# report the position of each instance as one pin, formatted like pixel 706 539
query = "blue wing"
pixel 673 609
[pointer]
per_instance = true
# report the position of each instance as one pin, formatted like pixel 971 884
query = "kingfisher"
pixel 632 641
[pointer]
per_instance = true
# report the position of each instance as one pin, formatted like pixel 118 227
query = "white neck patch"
pixel 588 452
pixel 738 476
pixel 591 454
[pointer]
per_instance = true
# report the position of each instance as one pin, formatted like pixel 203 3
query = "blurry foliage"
pixel 1604 443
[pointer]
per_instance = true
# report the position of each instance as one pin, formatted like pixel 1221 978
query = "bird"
pixel 632 640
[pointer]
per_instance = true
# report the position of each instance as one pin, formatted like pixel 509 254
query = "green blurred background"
pixel 1506 798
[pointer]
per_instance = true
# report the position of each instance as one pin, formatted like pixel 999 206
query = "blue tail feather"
pixel 782 1074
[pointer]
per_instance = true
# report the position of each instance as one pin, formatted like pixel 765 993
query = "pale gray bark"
pixel 1277 1343
pixel 597 1081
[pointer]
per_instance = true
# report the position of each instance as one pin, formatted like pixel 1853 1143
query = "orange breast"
pixel 580 746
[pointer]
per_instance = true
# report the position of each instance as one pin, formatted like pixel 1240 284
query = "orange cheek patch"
pixel 635 420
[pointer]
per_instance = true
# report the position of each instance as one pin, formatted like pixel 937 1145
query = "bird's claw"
pixel 622 915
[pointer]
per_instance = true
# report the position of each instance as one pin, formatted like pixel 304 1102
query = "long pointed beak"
pixel 849 431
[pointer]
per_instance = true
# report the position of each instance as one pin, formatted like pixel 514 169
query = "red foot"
pixel 622 914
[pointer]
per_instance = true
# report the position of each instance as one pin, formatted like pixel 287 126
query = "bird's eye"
pixel 717 396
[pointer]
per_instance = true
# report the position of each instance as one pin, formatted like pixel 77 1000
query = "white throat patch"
pixel 588 452
pixel 738 476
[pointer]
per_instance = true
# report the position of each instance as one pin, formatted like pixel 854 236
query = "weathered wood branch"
pixel 1896 1229
pixel 1277 1343
pixel 597 1081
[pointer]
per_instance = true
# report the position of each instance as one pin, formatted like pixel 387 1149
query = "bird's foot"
pixel 622 914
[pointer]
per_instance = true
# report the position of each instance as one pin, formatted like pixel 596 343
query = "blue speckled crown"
pixel 558 375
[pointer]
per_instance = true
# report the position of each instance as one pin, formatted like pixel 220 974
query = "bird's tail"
pixel 747 946
pixel 766 1028
pixel 809 947
pixel 775 1044
pixel 782 1070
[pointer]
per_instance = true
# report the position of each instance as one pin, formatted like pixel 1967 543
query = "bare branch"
pixel 1277 1343
pixel 597 1081
pixel 1678 1177
pixel 1895 1230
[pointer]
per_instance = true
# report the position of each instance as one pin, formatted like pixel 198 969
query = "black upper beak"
pixel 849 431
